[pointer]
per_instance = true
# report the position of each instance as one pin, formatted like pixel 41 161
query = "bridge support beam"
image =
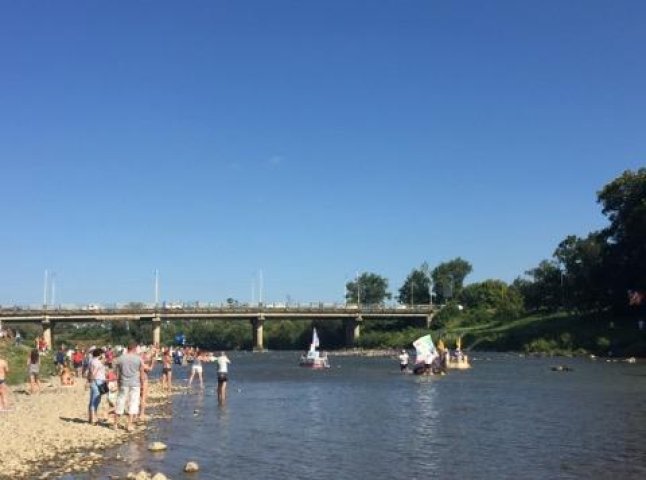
pixel 156 331
pixel 47 332
pixel 257 333
pixel 429 319
pixel 352 330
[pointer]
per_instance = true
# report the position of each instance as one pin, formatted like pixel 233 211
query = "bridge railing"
pixel 213 308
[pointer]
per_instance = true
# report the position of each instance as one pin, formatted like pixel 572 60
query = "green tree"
pixel 487 294
pixel 448 278
pixel 493 295
pixel 583 278
pixel 367 289
pixel 542 289
pixel 416 287
pixel 624 203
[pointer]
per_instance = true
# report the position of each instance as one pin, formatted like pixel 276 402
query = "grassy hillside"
pixel 556 334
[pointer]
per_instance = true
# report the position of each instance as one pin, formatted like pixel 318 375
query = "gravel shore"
pixel 47 434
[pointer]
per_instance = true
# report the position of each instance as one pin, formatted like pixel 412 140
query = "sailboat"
pixel 313 358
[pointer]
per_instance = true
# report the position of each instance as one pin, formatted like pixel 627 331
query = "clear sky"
pixel 307 139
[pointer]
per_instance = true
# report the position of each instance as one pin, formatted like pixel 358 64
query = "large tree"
pixel 583 274
pixel 542 288
pixel 596 272
pixel 367 289
pixel 417 287
pixel 624 203
pixel 448 278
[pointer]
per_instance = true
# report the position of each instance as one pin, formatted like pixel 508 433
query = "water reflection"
pixel 507 418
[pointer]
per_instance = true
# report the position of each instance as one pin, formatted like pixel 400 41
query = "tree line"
pixel 595 273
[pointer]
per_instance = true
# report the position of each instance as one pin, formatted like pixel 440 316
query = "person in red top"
pixel 77 361
pixel 109 357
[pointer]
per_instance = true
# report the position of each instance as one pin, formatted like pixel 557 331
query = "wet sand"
pixel 47 434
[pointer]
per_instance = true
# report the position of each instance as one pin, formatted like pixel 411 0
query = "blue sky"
pixel 307 139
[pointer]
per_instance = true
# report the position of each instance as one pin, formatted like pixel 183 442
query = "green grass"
pixel 16 357
pixel 554 334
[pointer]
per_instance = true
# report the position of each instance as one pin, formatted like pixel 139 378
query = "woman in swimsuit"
pixel 167 371
pixel 33 367
pixel 197 368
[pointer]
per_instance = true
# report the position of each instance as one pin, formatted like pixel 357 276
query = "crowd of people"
pixel 121 374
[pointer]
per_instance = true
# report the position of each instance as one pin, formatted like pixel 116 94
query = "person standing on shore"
pixel 77 362
pixel 4 392
pixel 130 374
pixel 96 378
pixel 148 359
pixel 223 376
pixel 33 369
pixel 59 360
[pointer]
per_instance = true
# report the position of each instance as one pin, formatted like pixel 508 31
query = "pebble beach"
pixel 47 434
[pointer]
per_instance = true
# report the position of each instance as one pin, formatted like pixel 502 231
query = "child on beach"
pixel 66 377
pixel 113 391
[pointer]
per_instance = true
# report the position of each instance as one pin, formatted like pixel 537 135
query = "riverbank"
pixel 557 334
pixel 364 352
pixel 47 435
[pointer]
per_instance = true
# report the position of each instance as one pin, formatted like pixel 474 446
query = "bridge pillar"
pixel 47 332
pixel 429 319
pixel 156 331
pixel 352 330
pixel 257 332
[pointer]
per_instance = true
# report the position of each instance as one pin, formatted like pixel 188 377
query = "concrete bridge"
pixel 352 315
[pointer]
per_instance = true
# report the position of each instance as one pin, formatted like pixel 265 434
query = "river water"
pixel 507 418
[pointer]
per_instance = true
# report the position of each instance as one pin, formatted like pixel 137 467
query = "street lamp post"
pixel 430 292
pixel 358 291
pixel 156 288
pixel 412 289
pixel 45 291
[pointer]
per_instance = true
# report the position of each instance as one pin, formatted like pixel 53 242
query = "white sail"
pixel 315 339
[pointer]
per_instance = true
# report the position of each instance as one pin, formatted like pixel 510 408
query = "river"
pixel 509 417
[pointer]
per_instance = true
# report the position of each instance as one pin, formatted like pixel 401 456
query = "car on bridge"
pixel 173 306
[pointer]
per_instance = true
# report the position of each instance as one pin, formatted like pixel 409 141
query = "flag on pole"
pixel 424 348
